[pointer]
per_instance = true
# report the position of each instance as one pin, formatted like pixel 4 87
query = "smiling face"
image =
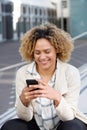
pixel 45 55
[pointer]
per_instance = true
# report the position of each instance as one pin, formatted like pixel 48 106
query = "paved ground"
pixel 79 55
pixel 9 54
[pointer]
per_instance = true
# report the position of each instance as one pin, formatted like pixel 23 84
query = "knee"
pixel 14 124
pixel 72 125
pixel 6 125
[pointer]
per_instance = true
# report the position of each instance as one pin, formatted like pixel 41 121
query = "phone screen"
pixel 31 82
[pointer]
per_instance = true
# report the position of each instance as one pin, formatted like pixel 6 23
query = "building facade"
pixel 33 13
pixel 6 20
pixel 63 14
pixel 69 15
pixel 78 17
pixel 0 23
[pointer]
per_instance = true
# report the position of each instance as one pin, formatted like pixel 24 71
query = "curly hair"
pixel 58 38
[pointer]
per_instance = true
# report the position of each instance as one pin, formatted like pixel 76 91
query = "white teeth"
pixel 44 62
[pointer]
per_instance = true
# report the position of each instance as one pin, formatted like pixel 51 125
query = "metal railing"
pixel 80 35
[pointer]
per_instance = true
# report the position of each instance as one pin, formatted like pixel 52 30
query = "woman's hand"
pixel 44 90
pixel 27 95
pixel 40 90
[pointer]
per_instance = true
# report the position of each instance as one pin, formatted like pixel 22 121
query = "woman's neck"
pixel 46 75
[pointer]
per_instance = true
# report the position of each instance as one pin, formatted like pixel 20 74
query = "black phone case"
pixel 31 82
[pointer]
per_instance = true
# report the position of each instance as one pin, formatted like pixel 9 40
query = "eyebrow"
pixel 43 50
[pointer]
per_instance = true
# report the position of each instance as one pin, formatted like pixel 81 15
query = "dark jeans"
pixel 18 124
pixel 74 124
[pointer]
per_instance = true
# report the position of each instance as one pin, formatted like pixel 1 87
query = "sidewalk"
pixel 9 54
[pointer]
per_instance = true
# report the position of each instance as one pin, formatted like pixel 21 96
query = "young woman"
pixel 52 103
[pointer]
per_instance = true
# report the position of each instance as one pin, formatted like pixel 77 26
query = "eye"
pixel 36 52
pixel 47 51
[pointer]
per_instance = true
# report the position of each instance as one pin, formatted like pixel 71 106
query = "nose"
pixel 42 56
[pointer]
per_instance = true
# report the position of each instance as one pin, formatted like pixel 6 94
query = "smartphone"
pixel 32 82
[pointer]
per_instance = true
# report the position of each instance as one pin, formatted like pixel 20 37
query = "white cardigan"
pixel 67 83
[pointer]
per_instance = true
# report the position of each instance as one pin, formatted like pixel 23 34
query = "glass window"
pixel 24 10
pixel 35 10
pixel 29 10
pixel 40 11
pixel 64 4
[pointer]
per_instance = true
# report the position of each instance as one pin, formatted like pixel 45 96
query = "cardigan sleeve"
pixel 66 110
pixel 25 113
